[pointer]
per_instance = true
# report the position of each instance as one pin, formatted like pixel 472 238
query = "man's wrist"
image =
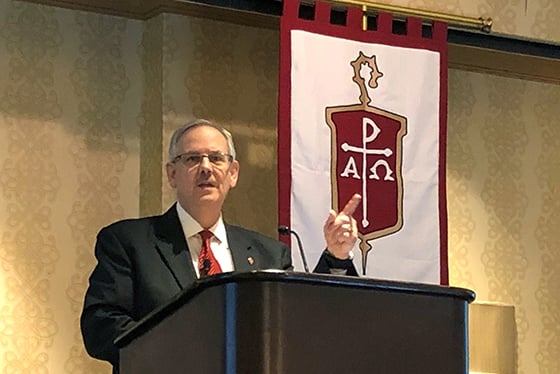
pixel 330 264
pixel 349 258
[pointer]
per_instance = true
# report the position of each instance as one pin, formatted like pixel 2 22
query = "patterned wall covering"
pixel 69 165
pixel 546 240
pixel 103 147
pixel 151 122
pixel 87 103
pixel 535 19
pixel 503 198
pixel 31 185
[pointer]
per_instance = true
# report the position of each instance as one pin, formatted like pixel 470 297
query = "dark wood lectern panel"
pixel 270 322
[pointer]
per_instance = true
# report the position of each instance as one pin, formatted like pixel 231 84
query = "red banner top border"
pixel 321 22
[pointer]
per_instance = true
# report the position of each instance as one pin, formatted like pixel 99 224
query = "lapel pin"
pixel 250 260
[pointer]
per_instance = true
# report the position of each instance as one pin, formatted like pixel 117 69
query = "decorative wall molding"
pixel 508 64
pixel 524 62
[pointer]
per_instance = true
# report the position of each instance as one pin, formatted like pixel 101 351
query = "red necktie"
pixel 207 263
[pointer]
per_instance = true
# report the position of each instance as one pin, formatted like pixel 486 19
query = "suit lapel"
pixel 245 257
pixel 172 246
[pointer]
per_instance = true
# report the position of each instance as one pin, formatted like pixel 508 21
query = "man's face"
pixel 203 184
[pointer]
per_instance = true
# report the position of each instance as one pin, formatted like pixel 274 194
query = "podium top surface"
pixel 286 277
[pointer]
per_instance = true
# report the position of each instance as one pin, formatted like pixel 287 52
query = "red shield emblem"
pixel 366 149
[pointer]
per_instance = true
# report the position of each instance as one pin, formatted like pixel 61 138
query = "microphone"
pixel 285 230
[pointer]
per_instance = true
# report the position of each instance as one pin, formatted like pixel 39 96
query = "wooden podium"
pixel 283 322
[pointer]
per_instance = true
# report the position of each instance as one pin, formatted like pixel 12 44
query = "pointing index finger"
pixel 352 204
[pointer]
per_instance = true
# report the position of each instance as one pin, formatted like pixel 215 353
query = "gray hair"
pixel 178 134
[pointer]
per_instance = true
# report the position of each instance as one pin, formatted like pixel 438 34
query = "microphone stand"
pixel 285 230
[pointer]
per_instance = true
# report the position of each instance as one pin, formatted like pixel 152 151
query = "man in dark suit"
pixel 143 263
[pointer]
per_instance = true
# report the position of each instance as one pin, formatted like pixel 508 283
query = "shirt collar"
pixel 191 227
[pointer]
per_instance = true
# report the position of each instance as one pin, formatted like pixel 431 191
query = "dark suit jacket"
pixel 143 263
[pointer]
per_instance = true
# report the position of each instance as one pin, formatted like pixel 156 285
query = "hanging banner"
pixel 364 111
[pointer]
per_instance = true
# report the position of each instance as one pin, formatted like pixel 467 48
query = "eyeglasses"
pixel 195 158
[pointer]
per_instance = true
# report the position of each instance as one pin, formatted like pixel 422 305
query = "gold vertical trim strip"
pixel 364 17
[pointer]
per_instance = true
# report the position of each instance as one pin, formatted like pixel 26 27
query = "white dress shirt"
pixel 218 243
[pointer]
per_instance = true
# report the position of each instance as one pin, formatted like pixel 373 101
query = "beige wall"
pixel 87 101
pixel 69 164
pixel 534 19
pixel 503 201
